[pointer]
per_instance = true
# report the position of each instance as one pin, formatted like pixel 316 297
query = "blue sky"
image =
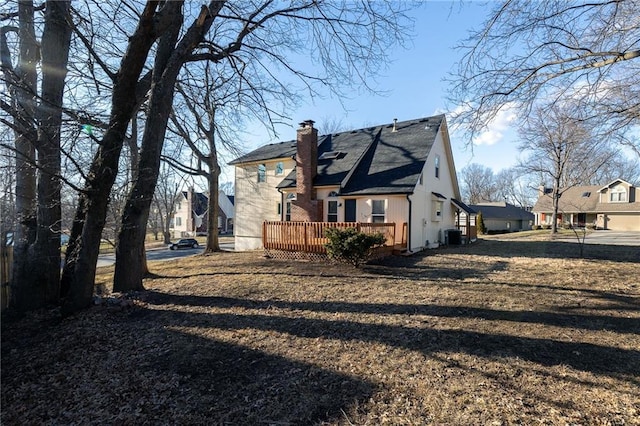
pixel 415 87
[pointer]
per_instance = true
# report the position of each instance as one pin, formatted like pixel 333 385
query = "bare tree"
pixel 515 187
pixel 37 121
pixel 252 40
pixel 165 198
pixel 82 251
pixel 563 149
pixel 478 183
pixel 549 51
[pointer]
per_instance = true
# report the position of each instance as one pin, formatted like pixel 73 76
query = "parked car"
pixel 184 243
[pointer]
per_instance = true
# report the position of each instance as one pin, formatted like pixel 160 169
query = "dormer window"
pixel 617 195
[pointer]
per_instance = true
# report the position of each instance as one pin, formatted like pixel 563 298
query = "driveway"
pixel 615 238
pixel 618 238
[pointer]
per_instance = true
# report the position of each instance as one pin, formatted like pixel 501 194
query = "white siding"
pixel 256 202
pixel 426 230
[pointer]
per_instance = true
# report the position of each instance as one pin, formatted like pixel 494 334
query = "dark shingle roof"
pixel 501 210
pixel 268 152
pixel 373 160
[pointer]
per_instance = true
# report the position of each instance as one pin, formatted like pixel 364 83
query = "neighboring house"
pixel 613 206
pixel 501 216
pixel 191 211
pixel 400 173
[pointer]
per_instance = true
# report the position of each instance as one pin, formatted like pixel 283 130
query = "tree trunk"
pixel 128 270
pixel 213 241
pixel 23 92
pixel 130 266
pixel 82 253
pixel 56 38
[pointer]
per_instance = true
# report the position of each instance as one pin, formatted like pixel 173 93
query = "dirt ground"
pixel 500 332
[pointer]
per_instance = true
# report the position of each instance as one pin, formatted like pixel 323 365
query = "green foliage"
pixel 480 221
pixel 350 246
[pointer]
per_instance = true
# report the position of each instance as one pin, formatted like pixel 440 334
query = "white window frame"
pixel 618 195
pixel 375 213
pixel 330 214
pixel 262 173
pixel 437 210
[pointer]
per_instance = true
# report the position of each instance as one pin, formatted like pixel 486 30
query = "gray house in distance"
pixel 501 216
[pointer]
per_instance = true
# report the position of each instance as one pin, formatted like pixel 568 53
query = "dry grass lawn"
pixel 497 333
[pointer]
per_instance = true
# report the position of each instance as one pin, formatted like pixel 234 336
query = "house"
pixel 190 217
pixel 613 206
pixel 504 217
pixel 400 173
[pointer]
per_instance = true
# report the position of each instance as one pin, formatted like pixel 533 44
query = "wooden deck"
pixel 308 237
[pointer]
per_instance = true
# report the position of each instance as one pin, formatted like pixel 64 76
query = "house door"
pixel 350 210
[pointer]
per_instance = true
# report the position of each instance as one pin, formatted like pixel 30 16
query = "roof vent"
pixel 395 122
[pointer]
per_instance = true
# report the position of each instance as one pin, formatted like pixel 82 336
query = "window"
pixel 421 180
pixel 178 221
pixel 287 215
pixel 586 194
pixel 279 168
pixel 437 162
pixel 437 210
pixel 377 211
pixel 279 209
pixel 262 173
pixel 332 211
pixel 618 195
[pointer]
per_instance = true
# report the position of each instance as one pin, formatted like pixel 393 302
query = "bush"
pixel 536 227
pixel 480 222
pixel 350 246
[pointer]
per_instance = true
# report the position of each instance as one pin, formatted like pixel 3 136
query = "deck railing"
pixel 309 237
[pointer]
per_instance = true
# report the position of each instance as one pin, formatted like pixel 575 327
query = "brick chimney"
pixel 306 207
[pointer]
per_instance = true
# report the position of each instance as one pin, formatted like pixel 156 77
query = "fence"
pixel 6 260
pixel 308 237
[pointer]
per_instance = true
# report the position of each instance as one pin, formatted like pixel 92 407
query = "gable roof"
pixel 574 199
pixel 613 183
pixel 502 210
pixel 372 160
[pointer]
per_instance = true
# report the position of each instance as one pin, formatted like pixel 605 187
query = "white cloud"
pixel 497 128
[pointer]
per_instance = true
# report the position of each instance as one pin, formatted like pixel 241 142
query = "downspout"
pixel 282 204
pixel 409 224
